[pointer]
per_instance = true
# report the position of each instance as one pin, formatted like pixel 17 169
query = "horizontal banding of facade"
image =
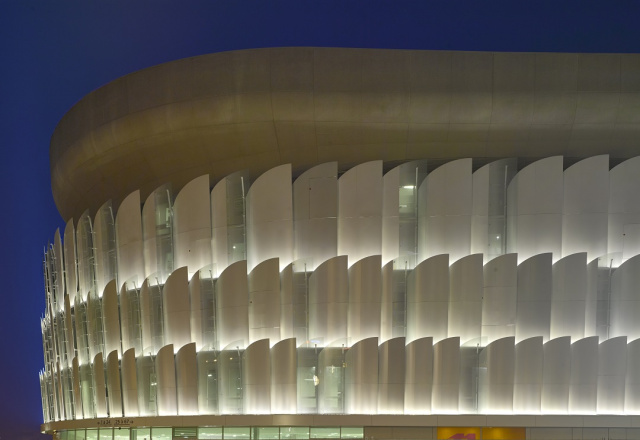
pixel 256 109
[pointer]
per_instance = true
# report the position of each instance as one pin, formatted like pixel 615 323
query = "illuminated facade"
pixel 234 288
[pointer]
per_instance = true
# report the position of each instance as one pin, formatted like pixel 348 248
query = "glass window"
pixel 324 433
pixel 266 433
pixel 92 434
pixel 185 432
pixel 63 435
pixel 236 433
pixel 161 433
pixel 71 435
pixel 294 432
pixel 141 434
pixel 352 432
pixel 106 433
pixel 210 433
pixel 80 434
pixel 121 434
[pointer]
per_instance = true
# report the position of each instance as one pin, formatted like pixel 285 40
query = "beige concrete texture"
pixel 256 109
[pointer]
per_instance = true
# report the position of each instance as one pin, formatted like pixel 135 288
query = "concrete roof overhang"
pixel 255 109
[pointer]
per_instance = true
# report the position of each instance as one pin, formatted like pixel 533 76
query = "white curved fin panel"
pixel 114 392
pixel 128 225
pixel 166 380
pixel 584 376
pixel 284 365
pixel 625 302
pixel 125 319
pixel 445 224
pixel 84 249
pixel 176 309
pixel 197 311
pixel 612 372
pixel 446 376
pixel 232 300
pixel 360 211
pixel 533 316
pixel 496 377
pixel 632 383
pixel 286 303
pixel 68 323
pixel 187 380
pixel 528 373
pixel 129 384
pixel 418 378
pixel 270 218
pixel 70 261
pixel 624 209
pixel 77 396
pixel 104 251
pixel 145 319
pixel 192 226
pixel 157 227
pixel 591 299
pixel 465 299
pixel 328 302
pixel 228 212
pixel 365 290
pixel 81 331
pixel 391 379
pixel 488 221
pixel 568 297
pixel 100 387
pixel 390 215
pixel 400 212
pixel 361 377
pixel 256 378
pixel 428 299
pixel 586 207
pixel 556 376
pixel 264 301
pixel 300 298
pixel 499 298
pixel 534 214
pixel 388 298
pixel 94 325
pixel 315 214
pixel 59 267
pixel 111 316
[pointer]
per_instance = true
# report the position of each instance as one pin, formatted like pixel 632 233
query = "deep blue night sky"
pixel 52 53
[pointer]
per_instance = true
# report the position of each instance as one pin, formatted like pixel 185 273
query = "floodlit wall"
pixel 324 307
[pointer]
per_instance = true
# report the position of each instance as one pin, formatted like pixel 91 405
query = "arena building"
pixel 316 243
